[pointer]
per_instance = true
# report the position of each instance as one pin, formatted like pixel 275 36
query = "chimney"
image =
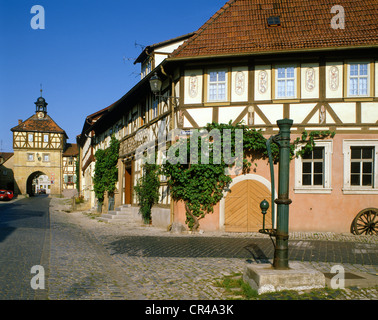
pixel 19 121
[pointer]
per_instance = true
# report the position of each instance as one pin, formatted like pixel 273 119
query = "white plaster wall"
pixel 225 114
pixel 273 112
pixel 201 116
pixel 298 112
pixel 305 92
pixel 267 95
pixel 241 95
pixel 369 112
pixel 197 98
pixel 339 92
pixel 345 111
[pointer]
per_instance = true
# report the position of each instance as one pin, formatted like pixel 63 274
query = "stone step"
pixel 114 216
pixel 120 221
pixel 121 213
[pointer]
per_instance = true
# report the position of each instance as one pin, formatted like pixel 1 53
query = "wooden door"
pixel 128 185
pixel 242 207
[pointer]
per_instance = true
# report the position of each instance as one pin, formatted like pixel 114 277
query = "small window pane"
pixel 222 76
pixel 354 69
pixel 355 167
pixel 290 72
pixel 318 153
pixel 281 89
pixel 356 153
pixel 281 73
pixel 306 180
pixel 353 86
pixel 355 180
pixel 213 76
pixel 363 69
pixel 318 179
pixel 367 167
pixel 366 180
pixel 307 167
pixel 318 167
pixel 367 153
pixel 307 155
pixel 363 86
pixel 290 88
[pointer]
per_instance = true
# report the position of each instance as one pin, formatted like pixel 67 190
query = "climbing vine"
pixel 106 170
pixel 147 190
pixel 200 185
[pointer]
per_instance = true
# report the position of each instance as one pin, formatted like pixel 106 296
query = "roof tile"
pixel 240 26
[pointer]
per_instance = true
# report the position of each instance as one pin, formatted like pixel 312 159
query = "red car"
pixel 6 195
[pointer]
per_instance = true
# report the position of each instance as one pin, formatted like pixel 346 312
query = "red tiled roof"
pixel 240 27
pixel 34 124
pixel 5 156
pixel 72 150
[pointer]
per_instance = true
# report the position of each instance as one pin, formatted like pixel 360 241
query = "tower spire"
pixel 41 90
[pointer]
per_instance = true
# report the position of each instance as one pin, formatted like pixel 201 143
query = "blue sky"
pixel 79 56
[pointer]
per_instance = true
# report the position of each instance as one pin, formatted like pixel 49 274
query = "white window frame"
pixel 217 84
pixel 347 187
pixel 358 77
pixel 30 137
pixel 286 79
pixel 46 156
pixel 45 138
pixel 327 185
pixel 30 156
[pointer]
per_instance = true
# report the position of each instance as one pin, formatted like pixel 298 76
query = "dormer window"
pixel 274 21
pixel 146 68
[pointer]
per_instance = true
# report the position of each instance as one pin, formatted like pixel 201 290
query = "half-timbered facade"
pixel 70 157
pixel 85 143
pixel 257 62
pixel 39 144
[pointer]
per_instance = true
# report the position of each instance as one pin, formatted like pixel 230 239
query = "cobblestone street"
pixel 96 260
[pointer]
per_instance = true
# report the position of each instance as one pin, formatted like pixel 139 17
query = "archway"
pixel 30 180
pixel 240 207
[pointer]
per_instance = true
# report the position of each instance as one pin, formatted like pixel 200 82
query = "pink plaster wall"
pixel 332 212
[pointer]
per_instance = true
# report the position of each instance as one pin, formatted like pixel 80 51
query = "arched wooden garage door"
pixel 242 207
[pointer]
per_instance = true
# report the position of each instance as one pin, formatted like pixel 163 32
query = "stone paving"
pixel 96 260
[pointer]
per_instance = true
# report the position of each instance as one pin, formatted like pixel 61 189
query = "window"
pixel 46 157
pixel 45 138
pixel 274 21
pixel 360 163
pixel 217 85
pixel 285 82
pixel 68 179
pixel 30 137
pixel 358 79
pixel 30 157
pixel 313 170
pixel 361 167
